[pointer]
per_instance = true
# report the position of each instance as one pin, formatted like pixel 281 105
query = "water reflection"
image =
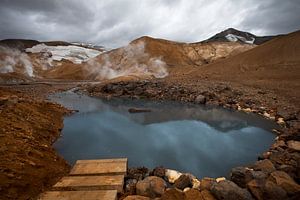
pixel 203 141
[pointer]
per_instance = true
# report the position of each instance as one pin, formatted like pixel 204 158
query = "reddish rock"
pixel 262 189
pixel 207 195
pixel 193 194
pixel 151 186
pixel 283 180
pixel 241 176
pixel 206 183
pixel 264 165
pixel 173 194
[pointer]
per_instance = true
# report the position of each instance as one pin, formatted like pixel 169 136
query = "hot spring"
pixel 204 141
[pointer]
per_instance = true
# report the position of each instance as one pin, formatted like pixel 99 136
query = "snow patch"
pixel 235 38
pixel 72 53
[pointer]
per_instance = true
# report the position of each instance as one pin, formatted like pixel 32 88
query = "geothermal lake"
pixel 205 141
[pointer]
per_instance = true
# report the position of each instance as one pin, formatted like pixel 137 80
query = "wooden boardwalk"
pixel 92 180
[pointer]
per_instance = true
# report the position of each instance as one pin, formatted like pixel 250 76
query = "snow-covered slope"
pixel 235 38
pixel 75 54
pixel 233 35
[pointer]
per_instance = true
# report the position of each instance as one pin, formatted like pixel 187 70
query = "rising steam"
pixel 130 60
pixel 13 60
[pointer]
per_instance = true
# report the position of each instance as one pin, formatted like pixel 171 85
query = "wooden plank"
pixel 90 183
pixel 100 167
pixel 80 195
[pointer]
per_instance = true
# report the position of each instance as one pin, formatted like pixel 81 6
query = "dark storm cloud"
pixel 273 17
pixel 114 23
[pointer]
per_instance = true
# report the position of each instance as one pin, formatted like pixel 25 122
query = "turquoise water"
pixel 204 141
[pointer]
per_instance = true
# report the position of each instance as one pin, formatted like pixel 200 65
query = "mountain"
pixel 143 57
pixel 152 57
pixel 274 65
pixel 233 35
pixel 19 44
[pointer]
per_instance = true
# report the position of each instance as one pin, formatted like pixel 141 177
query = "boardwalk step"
pixel 80 195
pixel 100 167
pixel 90 183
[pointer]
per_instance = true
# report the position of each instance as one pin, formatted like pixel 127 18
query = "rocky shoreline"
pixel 276 174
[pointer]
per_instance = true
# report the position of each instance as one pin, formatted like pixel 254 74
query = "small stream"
pixel 205 141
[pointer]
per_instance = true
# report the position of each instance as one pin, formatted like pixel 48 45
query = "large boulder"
pixel 264 165
pixel 151 186
pixel 283 180
pixel 262 189
pixel 230 191
pixel 183 181
pixel 242 175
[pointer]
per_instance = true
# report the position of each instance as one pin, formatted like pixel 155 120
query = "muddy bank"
pixel 276 175
pixel 28 128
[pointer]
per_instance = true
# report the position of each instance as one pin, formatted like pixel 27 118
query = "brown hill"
pixel 273 65
pixel 148 56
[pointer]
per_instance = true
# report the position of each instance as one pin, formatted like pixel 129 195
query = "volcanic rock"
pixel 207 195
pixel 137 173
pixel 193 194
pixel 262 189
pixel 206 183
pixel 230 191
pixel 283 180
pixel 182 182
pixel 241 176
pixel 159 172
pixel 264 165
pixel 173 194
pixel 151 186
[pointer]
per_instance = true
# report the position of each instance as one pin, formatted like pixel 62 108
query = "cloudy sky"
pixel 114 23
